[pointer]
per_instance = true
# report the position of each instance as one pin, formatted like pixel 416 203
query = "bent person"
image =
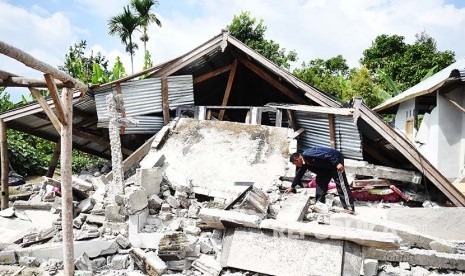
pixel 326 163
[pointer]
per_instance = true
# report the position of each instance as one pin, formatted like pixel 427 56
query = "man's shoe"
pixel 350 212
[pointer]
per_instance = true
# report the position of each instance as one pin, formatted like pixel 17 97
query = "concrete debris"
pixel 207 265
pixel 174 218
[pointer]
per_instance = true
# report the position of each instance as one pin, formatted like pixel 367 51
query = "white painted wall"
pixel 450 135
pixel 405 112
pixel 430 147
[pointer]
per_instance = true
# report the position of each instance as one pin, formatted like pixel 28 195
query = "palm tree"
pixel 124 25
pixel 142 8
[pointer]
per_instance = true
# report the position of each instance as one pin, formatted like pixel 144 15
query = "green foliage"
pixel 326 75
pixel 83 161
pixel 80 66
pixel 362 85
pixel 405 64
pixel 124 25
pixel 100 77
pixel 252 33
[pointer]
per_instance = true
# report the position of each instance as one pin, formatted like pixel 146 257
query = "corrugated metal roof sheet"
pixel 144 97
pixel 316 134
pixel 145 125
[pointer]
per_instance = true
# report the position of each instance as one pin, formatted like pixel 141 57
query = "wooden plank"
pixel 52 88
pixel 4 165
pixel 165 103
pixel 314 109
pixel 332 130
pixel 294 207
pixel 40 99
pixel 212 74
pixel 292 121
pixel 97 139
pixel 297 133
pixel 454 103
pixel 409 152
pixel 272 80
pixel 409 129
pixel 232 73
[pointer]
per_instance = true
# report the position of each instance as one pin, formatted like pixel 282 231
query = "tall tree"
pixel 252 33
pixel 406 64
pixel 143 8
pixel 124 25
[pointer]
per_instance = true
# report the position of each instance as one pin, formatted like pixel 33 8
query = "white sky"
pixel 313 28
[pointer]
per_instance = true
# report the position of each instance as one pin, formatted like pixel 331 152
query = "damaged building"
pixel 206 139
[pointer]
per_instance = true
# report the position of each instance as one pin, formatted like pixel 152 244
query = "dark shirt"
pixel 318 159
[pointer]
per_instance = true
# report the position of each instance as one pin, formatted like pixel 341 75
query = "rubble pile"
pixel 164 224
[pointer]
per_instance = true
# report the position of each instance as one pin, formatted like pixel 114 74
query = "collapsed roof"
pixel 226 72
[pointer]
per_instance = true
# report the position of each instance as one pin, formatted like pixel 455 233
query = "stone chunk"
pixel 207 265
pixel 123 241
pixel 149 262
pixel 149 179
pixel 370 267
pixel 173 246
pixel 155 202
pixel 7 257
pixel 136 201
pixel 178 265
pixel 112 213
pixel 120 262
pixel 83 263
pixel 145 240
pixel 86 205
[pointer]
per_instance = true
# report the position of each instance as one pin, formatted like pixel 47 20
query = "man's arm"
pixel 297 179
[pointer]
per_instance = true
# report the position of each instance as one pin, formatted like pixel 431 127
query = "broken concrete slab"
pixel 36 236
pixel 294 206
pixel 82 185
pixel 149 262
pixel 220 219
pixel 7 213
pixel 370 267
pixel 123 241
pixel 86 205
pixel 366 169
pixel 83 263
pixel 362 237
pixel 264 252
pixel 26 205
pixel 13 229
pixel 417 256
pixel 76 192
pixel 120 261
pixel 41 219
pixel 255 202
pixel 7 257
pixel 172 246
pixel 137 221
pixel 152 159
pixel 93 248
pixel 136 201
pixel 113 213
pixel 409 236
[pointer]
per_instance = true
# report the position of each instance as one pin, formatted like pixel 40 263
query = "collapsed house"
pixel 201 195
pixel 430 114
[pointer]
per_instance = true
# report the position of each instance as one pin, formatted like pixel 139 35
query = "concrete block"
pixel 123 241
pixel 136 201
pixel 173 246
pixel 155 202
pixel 83 263
pixel 370 267
pixel 137 221
pixel 149 262
pixel 149 179
pixel 88 231
pixel 86 205
pixel 173 202
pixel 93 248
pixel 98 263
pixel 294 207
pixel 177 181
pixel 207 265
pixel 120 262
pixel 192 230
pixel 113 213
pixel 443 246
pixel 152 159
pixel 7 257
pixel 216 218
pixel 145 240
pixel 179 265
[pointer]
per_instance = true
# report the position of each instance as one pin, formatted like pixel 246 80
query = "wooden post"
pixel 54 161
pixel 165 104
pixel 4 165
pixel 66 181
pixel 332 131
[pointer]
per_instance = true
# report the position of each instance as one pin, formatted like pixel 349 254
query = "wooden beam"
pixel 40 99
pixel 227 92
pixel 27 82
pixel 165 103
pixel 212 74
pixel 297 133
pixel 332 130
pixel 54 160
pixel 66 184
pixel 272 80
pixel 4 165
pixel 97 139
pixel 314 109
pixel 291 117
pixel 52 88
pixel 41 66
